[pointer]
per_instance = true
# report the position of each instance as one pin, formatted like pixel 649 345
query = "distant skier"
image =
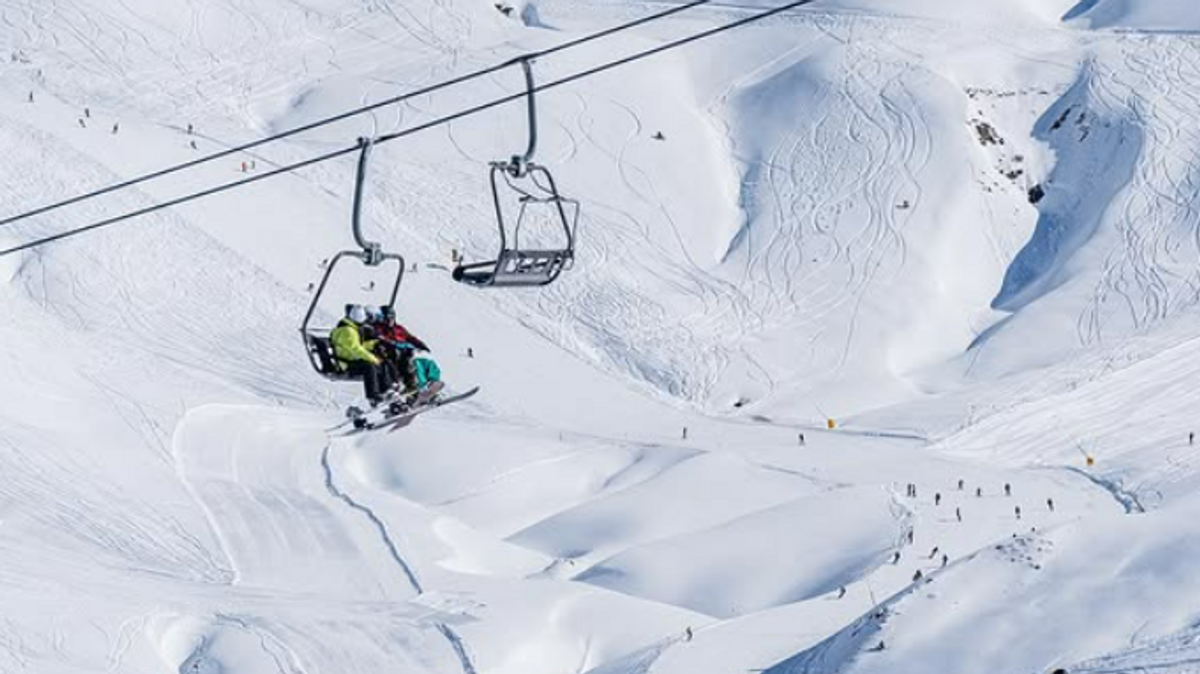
pixel 352 350
pixel 937 499
pixel 961 484
pixel 1191 434
pixel 841 592
pixel 801 439
pixel 978 492
pixel 116 128
pixel 1050 504
pixel 896 557
pixel 1017 510
pixel 918 576
pixel 934 552
pixel 945 560
pixel 1007 489
pixel 958 513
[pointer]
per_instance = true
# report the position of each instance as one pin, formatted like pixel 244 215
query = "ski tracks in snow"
pixel 1150 271
pixel 452 637
pixel 379 524
pixel 245 471
pixel 824 235
pixel 1178 653
pixel 280 514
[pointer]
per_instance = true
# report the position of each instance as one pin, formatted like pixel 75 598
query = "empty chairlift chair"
pixel 538 199
pixel 517 265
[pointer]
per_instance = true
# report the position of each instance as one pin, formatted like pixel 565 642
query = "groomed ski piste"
pixel 966 233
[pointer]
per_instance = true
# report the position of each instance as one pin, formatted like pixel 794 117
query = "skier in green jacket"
pixel 353 351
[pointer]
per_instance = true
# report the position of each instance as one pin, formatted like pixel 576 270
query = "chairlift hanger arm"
pixel 372 251
pixel 531 100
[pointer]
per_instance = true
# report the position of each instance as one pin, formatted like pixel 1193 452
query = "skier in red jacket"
pixel 397 345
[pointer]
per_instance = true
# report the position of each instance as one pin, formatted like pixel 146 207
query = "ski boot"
pixel 357 416
pixel 398 406
pixel 429 392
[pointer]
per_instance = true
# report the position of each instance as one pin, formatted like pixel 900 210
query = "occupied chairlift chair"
pixel 536 190
pixel 316 340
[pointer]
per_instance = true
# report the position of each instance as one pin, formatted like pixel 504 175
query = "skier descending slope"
pixel 352 350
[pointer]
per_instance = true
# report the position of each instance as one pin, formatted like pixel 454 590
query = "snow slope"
pixel 838 222
pixel 1167 16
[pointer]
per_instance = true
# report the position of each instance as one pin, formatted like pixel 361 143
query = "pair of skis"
pixel 397 414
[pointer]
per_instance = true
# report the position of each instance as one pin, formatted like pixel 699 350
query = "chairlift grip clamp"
pixel 372 254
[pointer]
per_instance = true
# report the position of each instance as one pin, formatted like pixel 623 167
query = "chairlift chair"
pixel 371 255
pixel 516 265
pixel 535 189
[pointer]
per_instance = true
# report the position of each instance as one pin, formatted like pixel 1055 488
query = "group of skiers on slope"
pixel 369 344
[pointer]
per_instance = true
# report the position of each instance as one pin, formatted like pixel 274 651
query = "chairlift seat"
pixel 516 268
pixel 320 352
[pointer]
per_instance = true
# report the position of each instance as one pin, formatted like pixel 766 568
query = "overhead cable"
pixel 440 121
pixel 570 44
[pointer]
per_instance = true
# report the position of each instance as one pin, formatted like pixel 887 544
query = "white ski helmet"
pixel 356 313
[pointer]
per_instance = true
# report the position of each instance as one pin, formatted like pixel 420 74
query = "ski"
pixel 401 417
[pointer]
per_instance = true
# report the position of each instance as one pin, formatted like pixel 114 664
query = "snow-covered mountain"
pixel 864 290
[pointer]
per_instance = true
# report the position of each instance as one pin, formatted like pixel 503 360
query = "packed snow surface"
pixel 878 354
